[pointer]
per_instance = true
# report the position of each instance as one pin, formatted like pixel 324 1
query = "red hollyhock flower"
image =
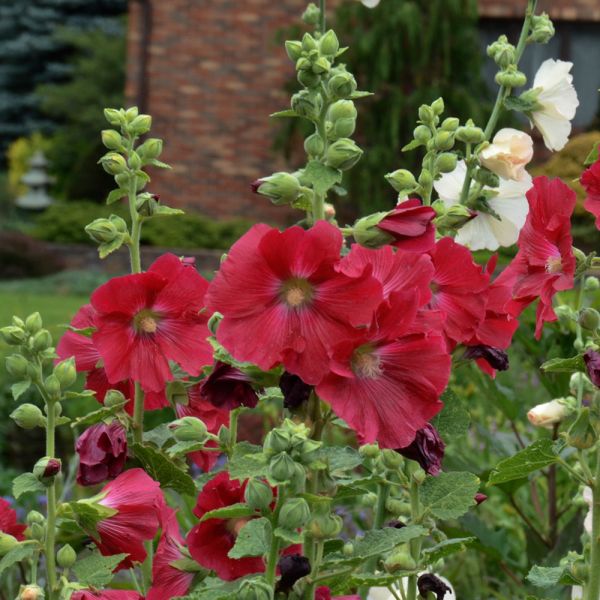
pixel 324 593
pixel 211 540
pixel 545 263
pixel 411 225
pixel 227 387
pixel 212 416
pixel 590 180
pixel 147 319
pixel 460 290
pixel 386 384
pixel 136 499
pixel 167 580
pixel 8 521
pixel 284 300
pixel 102 453
pixel 106 595
pixel 88 360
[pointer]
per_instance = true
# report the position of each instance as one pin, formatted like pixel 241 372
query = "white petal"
pixel 555 130
pixel 449 186
pixel 370 3
pixel 478 234
pixel 577 593
pixel 587 524
pixel 551 72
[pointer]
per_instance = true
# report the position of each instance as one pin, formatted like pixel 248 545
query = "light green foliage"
pixel 540 454
pixel 97 570
pixel 449 495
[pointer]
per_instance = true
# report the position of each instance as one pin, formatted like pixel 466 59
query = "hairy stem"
pixel 322 16
pixel 50 545
pixel 593 590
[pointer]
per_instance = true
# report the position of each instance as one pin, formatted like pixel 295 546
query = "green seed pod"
pixel 42 340
pixel 446 162
pixel 343 154
pixel 140 125
pixel 367 234
pixel 28 416
pixel 113 163
pixel 293 49
pixel 294 514
pixel 7 543
pixel 450 124
pixel 112 139
pixel 401 560
pixel 443 140
pixel 589 319
pixel 66 373
pixel 258 495
pixel 314 145
pixel 341 84
pixel 66 557
pixel 16 365
pixel 33 323
pixel 329 44
pixel 281 468
pixel 281 188
pixel 189 429
pixel 12 335
pixel 402 180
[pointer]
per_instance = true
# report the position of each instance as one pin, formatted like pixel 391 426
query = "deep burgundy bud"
pixel 292 567
pixel 102 453
pixel 52 468
pixel 495 357
pixel 428 582
pixel 255 185
pixel 479 498
pixel 592 363
pixel 396 524
pixel 227 387
pixel 295 391
pixel 427 449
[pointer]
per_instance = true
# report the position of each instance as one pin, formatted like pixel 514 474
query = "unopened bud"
pixel 16 365
pixel 12 335
pixel 486 177
pixel 294 514
pixel 581 434
pixel 446 162
pixel 113 163
pixel 402 180
pixel 443 140
pixel 37 532
pixel 438 106
pixel 341 84
pixel 550 413
pixel 329 44
pixel 293 49
pixel 42 340
pixel 189 429
pixel 391 459
pixel 348 549
pixel 52 385
pixel 325 526
pixel 589 319
pixel 66 373
pixel 401 560
pixel 450 124
pixel 33 323
pixel 46 469
pixel 511 78
pixel 112 139
pixel 321 66
pixel 314 145
pixel 426 114
pixel 281 468
pixel 66 557
pixel 151 148
pixel 113 398
pixel 114 116
pixel 422 134
pixel 542 30
pixel 343 154
pixel 367 234
pixel 28 416
pixel 277 441
pixel 35 517
pixel 258 495
pixel 281 188
pixel 31 592
pixel 469 134
pixel 140 125
pixel 308 42
pixel 369 450
pixel 591 284
pixel 307 104
pixel 7 543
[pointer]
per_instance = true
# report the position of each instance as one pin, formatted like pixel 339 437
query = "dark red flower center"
pixel 146 321
pixel 297 292
pixel 366 364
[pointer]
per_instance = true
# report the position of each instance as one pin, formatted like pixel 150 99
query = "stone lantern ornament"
pixel 37 181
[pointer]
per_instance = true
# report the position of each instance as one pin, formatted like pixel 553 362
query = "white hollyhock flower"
pixel 370 3
pixel 508 154
pixel 558 102
pixel 485 231
pixel 548 413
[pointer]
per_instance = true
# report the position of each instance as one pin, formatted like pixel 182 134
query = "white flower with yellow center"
pixel 486 231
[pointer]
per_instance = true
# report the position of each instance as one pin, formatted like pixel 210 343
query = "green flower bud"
pixel 28 416
pixel 131 113
pixel 542 30
pixel 277 441
pixel 33 323
pixel 7 543
pixel 52 385
pixel 329 44
pixel 502 52
pixel 426 114
pixel 281 188
pixel 151 148
pixel 402 180
pixel 455 217
pixel 342 109
pixel 419 476
pixel 400 560
pixel 348 549
pixel 294 514
pixel 134 161
pixel 367 234
pixel 140 125
pixel 581 434
pixel 293 49
pixel 309 79
pixel 17 322
pixel 341 84
pixel 577 380
pixel 369 499
pixel 589 319
pixel 422 134
pixel 112 139
pixel 114 116
pixel 113 398
pixel 66 557
pixel 113 163
pixel 369 450
pixel 66 373
pixel 35 517
pixel 392 460
pixel 438 106
pixel 258 495
pixel 189 429
pixel 397 507
pixel 31 592
pixel 511 78
pixel 16 365
pixel 308 450
pixel 12 335
pixel 443 140
pixel 325 526
pixel 254 589
pixel 342 128
pixel 303 64
pixel 469 134
pixel 343 154
pixel 446 162
pixel 37 532
pixel 122 179
pixel 591 284
pixel 450 124
pixel 298 479
pixel 46 469
pixel 565 315
pixel 104 231
pixel 314 145
pixel 308 42
pixel 321 65
pixel 42 340
pixel 281 468
pixel 425 178
pixel 307 104
pixel 486 177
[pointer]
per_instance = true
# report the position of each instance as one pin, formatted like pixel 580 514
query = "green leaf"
pixel 26 483
pixel 377 580
pixel 163 470
pixel 379 541
pixel 96 416
pixel 247 461
pixel 167 211
pixel 545 577
pixel 80 395
pixel 233 511
pixel 254 539
pixel 157 163
pixel 215 589
pixel 88 515
pixel 411 146
pixel 340 459
pixel 446 548
pixel 115 195
pixel 564 365
pixel 593 156
pixel 537 456
pixel 285 113
pixel 449 495
pixel 97 570
pixel 321 178
pixel 108 248
pixel 16 555
pixel 519 104
pixel 158 436
pixel 453 420
pixel 288 536
pixel 183 448
pixel 358 95
pixel 19 388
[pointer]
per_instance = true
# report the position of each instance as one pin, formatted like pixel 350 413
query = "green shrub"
pixel 65 223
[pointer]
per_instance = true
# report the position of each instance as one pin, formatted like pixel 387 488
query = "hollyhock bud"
pixel 438 106
pixel 52 385
pixel 16 365
pixel 511 77
pixel 402 180
pixel 42 340
pixel 581 434
pixel 542 28
pixel 480 498
pixel 106 231
pixel 428 582
pixel 189 429
pixel 33 323
pixel 35 517
pixel 114 398
pixel 391 459
pixel 277 440
pixel 329 43
pixel 112 139
pixel 342 115
pixel 66 373
pixel 508 154
pixel 502 52
pixel 114 116
pixel 307 104
pixel 341 84
pixel 400 560
pixel 228 388
pixel 113 163
pixel 591 284
pixel 294 514
pixel 446 162
pixel 550 413
pixel 495 357
pixel 455 216
pixel 343 154
pixel 13 336
pixel 367 234
pixel 151 148
pixel 46 469
pixel 102 453
pixel 443 140
pixel 253 589
pixel 31 592
pixel 295 391
pixel 321 65
pixel 292 568
pixel 281 468
pixel 427 449
pixel 140 124
pixel 258 495
pixel 7 543
pixel 314 145
pixel 589 318
pixel 422 134
pixel 28 416
pixel 369 450
pixel 66 557
pixel 469 134
pixel 293 49
pixel 281 188
pixel 592 363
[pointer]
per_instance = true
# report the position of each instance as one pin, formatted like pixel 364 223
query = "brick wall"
pixel 568 10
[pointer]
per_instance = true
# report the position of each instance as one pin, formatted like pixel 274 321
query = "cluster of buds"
pixel 504 54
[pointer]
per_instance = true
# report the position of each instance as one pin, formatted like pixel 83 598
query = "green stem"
pixel 309 593
pixel 233 428
pixel 147 566
pixel 322 16
pixel 593 588
pixel 271 570
pixel 415 545
pixel 136 228
pixel 50 545
pixel 138 414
